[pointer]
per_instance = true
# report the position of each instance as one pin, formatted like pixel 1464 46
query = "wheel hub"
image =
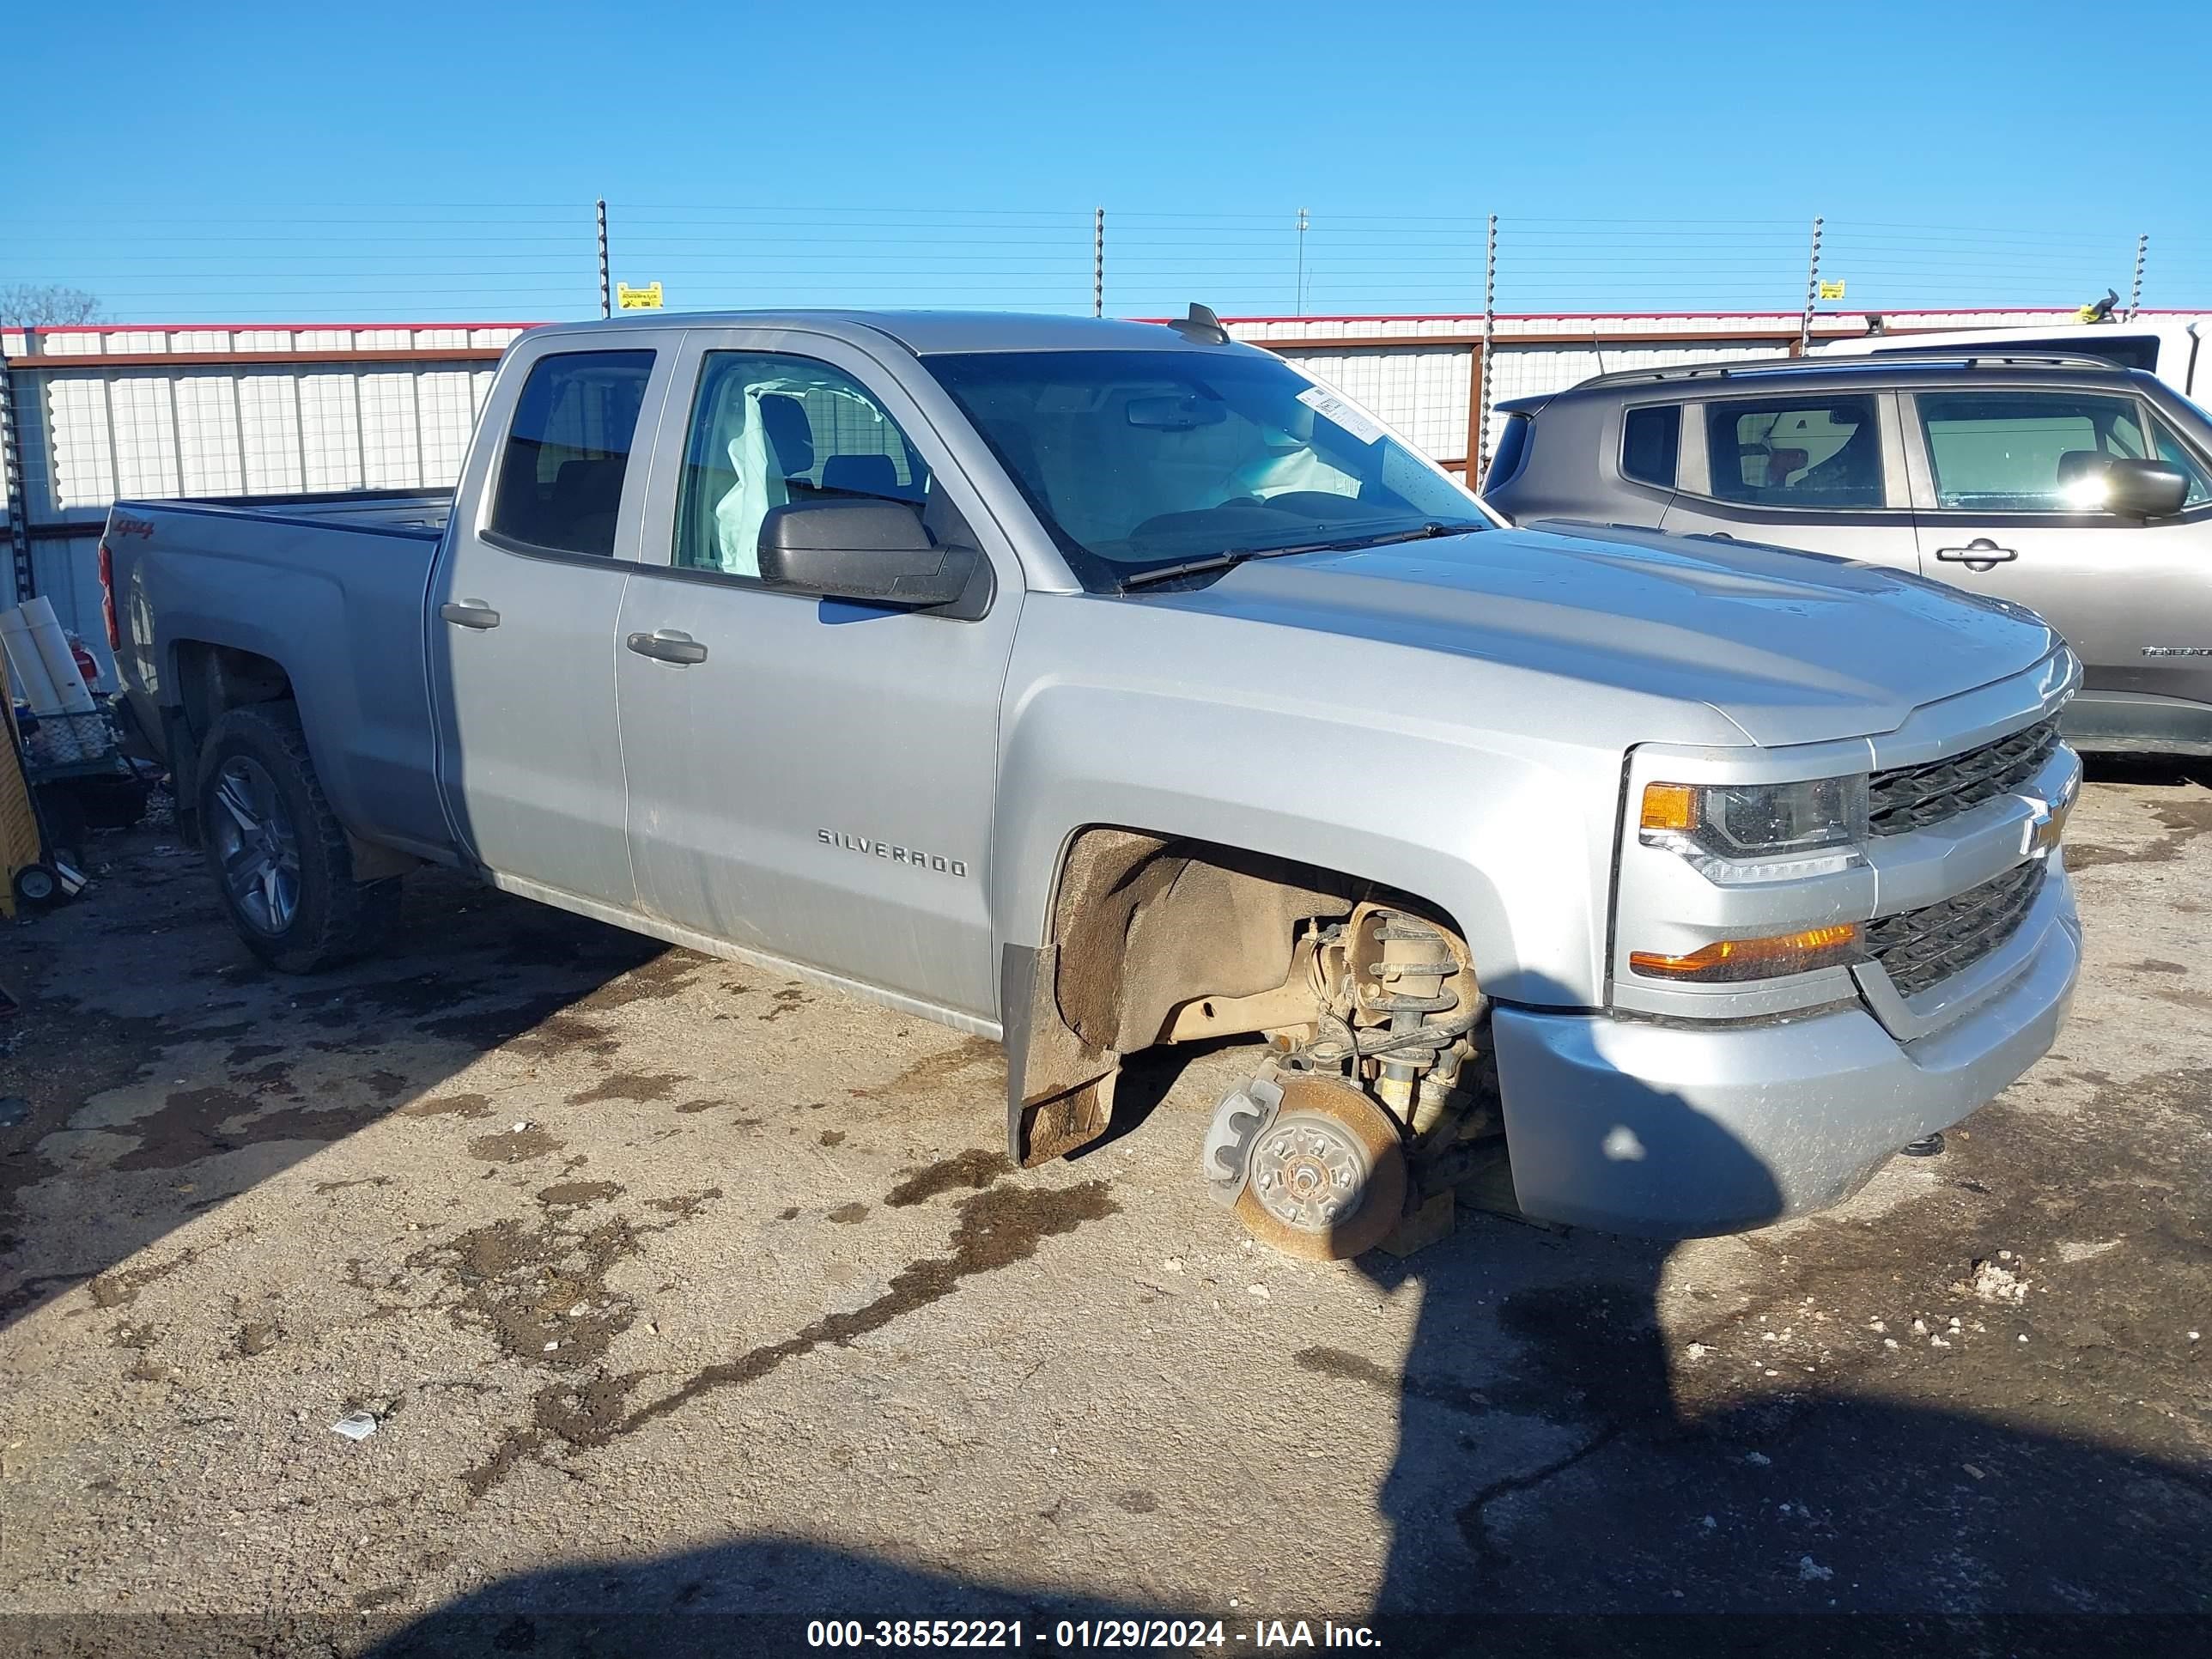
pixel 1314 1167
pixel 1311 1175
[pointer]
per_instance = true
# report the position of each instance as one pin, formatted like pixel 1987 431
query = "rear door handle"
pixel 1979 554
pixel 668 645
pixel 469 613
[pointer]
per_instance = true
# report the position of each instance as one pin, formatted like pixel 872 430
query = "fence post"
pixel 13 484
pixel 2135 292
pixel 1098 262
pixel 1300 307
pixel 606 293
pixel 1479 462
pixel 1812 290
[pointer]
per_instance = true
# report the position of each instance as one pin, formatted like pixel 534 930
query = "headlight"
pixel 1735 833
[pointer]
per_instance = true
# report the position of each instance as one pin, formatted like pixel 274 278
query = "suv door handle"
pixel 1979 554
pixel 469 613
pixel 668 645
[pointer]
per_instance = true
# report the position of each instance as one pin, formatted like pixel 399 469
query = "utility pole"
pixel 1811 291
pixel 606 293
pixel 1489 333
pixel 1098 262
pixel 2135 293
pixel 1302 262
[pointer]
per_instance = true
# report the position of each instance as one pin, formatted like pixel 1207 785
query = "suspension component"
pixel 1398 999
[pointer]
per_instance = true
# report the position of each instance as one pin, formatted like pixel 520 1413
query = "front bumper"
pixel 1667 1129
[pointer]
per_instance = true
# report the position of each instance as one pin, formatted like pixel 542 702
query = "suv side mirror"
pixel 874 551
pixel 2144 489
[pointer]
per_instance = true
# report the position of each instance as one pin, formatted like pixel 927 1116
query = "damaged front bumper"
pixel 1675 1129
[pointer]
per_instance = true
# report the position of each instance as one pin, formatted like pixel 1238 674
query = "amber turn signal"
pixel 1669 806
pixel 1755 958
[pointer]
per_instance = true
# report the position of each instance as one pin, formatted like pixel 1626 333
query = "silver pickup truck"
pixel 1093 685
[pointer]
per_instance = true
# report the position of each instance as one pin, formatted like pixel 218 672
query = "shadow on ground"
pixel 153 1048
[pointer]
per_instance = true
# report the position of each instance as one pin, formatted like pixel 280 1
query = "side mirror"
pixel 874 551
pixel 2144 489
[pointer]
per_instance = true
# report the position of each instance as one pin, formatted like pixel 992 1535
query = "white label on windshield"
pixel 1330 407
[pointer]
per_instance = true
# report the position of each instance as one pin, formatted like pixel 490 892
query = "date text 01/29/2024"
pixel 1085 1635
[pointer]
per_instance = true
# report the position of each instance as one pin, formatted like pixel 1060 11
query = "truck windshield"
pixel 1142 461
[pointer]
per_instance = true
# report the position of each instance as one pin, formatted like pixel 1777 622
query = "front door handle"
pixel 469 613
pixel 668 645
pixel 1979 554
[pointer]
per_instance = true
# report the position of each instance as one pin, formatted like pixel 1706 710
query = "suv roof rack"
pixel 1966 358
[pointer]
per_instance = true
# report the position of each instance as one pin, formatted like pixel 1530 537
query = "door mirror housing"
pixel 873 551
pixel 2144 489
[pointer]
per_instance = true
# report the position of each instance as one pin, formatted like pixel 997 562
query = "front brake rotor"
pixel 1326 1177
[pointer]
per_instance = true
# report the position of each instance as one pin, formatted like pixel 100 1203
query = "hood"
pixel 1792 647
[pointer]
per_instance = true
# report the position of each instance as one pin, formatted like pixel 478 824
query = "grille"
pixel 1910 797
pixel 1925 947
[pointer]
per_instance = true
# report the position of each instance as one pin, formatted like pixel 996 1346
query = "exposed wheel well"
pixel 1153 939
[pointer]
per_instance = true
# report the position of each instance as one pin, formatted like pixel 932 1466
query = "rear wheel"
pixel 281 864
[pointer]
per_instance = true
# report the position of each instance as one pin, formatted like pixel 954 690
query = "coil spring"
pixel 1420 1046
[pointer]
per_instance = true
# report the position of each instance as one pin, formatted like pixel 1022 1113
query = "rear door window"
pixel 2021 452
pixel 568 451
pixel 1802 451
pixel 1650 438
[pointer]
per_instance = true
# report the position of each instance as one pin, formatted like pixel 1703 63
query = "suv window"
pixel 1795 451
pixel 2016 451
pixel 2177 455
pixel 568 449
pixel 1512 452
pixel 768 430
pixel 1649 439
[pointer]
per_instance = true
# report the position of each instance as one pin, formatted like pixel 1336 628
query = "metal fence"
pixel 1404 314
pixel 547 259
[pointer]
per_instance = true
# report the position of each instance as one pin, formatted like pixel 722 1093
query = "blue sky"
pixel 412 160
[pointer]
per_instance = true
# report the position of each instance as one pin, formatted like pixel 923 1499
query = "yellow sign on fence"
pixel 638 299
pixel 1828 290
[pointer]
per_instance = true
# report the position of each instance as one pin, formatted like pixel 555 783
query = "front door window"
pixel 2026 452
pixel 768 430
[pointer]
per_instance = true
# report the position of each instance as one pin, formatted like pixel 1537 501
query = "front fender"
pixel 1512 839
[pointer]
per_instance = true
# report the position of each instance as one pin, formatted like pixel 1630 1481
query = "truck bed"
pixel 406 513
pixel 251 577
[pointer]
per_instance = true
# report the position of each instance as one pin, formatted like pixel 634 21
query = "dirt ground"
pixel 685 1298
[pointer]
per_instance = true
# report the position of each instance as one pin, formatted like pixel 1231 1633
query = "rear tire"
pixel 282 869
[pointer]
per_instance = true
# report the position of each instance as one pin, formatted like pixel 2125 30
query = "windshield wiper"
pixel 1236 555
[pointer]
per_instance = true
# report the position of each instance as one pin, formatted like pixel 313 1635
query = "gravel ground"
pixel 685 1298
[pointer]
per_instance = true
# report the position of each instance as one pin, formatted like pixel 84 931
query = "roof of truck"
pixel 924 333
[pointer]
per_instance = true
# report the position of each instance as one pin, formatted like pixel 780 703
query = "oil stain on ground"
pixel 631 1085
pixel 975 1169
pixel 450 1106
pixel 997 1228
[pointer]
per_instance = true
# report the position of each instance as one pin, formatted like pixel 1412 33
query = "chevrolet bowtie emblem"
pixel 2046 823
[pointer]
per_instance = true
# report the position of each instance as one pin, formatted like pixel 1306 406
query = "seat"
pixel 790 434
pixel 1853 470
pixel 1781 462
pixel 579 512
pixel 863 475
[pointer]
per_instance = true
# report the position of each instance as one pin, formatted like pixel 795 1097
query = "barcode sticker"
pixel 1350 416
